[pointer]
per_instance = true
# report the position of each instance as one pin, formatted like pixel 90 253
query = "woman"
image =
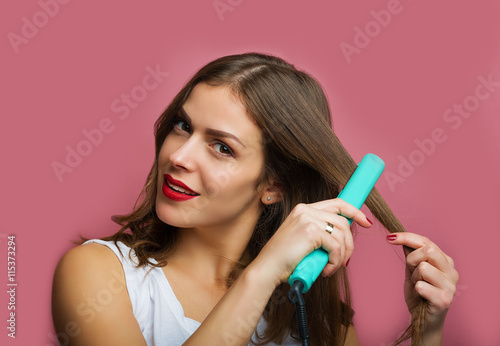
pixel 245 179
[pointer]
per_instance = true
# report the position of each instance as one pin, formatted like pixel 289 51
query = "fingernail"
pixel 371 223
pixel 391 237
pixel 347 263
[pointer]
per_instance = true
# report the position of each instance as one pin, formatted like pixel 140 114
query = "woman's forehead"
pixel 217 108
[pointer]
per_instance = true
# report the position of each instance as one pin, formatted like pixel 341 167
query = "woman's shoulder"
pixel 120 249
pixel 88 264
pixel 96 260
pixel 94 252
pixel 89 289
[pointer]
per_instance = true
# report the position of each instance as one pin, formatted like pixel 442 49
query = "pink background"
pixel 390 96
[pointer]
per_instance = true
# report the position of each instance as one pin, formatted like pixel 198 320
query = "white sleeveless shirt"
pixel 155 307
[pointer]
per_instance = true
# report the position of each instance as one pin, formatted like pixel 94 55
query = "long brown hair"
pixel 303 155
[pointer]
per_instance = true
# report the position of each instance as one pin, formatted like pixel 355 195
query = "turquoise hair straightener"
pixel 307 271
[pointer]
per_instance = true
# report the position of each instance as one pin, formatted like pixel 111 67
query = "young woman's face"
pixel 210 163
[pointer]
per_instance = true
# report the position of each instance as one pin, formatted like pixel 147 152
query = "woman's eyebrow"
pixel 184 114
pixel 213 132
pixel 218 133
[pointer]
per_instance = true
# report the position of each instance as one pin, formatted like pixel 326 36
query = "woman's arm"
pixel 430 274
pixel 235 317
pixel 90 303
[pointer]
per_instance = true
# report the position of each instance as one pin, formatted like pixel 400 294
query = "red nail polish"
pixel 347 263
pixel 391 237
pixel 371 223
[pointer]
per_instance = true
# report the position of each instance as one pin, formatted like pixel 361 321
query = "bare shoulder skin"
pixel 90 302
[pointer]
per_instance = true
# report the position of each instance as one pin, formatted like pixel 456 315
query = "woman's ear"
pixel 272 194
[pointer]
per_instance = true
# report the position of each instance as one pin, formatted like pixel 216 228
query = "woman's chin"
pixel 167 217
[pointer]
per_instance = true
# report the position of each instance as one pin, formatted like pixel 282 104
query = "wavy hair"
pixel 303 155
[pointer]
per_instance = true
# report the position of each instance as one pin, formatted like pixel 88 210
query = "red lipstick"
pixel 176 190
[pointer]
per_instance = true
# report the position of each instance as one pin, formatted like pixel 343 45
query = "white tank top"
pixel 155 307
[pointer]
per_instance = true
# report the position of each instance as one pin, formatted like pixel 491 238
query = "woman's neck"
pixel 211 252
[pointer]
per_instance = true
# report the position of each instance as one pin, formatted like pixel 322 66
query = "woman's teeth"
pixel 181 190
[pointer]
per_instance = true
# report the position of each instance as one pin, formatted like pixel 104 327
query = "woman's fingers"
pixel 343 246
pixel 341 233
pixel 340 207
pixel 338 247
pixel 305 229
pixel 429 271
pixel 425 251
pixel 334 243
pixel 412 240
pixel 450 260
pixel 336 211
pixel 439 300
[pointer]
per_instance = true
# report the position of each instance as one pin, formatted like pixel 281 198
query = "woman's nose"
pixel 185 155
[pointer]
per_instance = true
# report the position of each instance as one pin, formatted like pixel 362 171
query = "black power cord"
pixel 295 296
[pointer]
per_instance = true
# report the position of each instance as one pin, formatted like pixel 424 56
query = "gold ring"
pixel 329 227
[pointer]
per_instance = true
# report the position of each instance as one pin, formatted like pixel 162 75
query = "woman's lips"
pixel 176 190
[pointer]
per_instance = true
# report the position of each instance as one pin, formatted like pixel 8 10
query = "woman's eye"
pixel 183 126
pixel 223 149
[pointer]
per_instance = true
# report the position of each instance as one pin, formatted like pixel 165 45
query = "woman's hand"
pixel 304 230
pixel 430 274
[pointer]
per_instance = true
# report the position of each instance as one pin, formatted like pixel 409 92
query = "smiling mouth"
pixel 180 189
